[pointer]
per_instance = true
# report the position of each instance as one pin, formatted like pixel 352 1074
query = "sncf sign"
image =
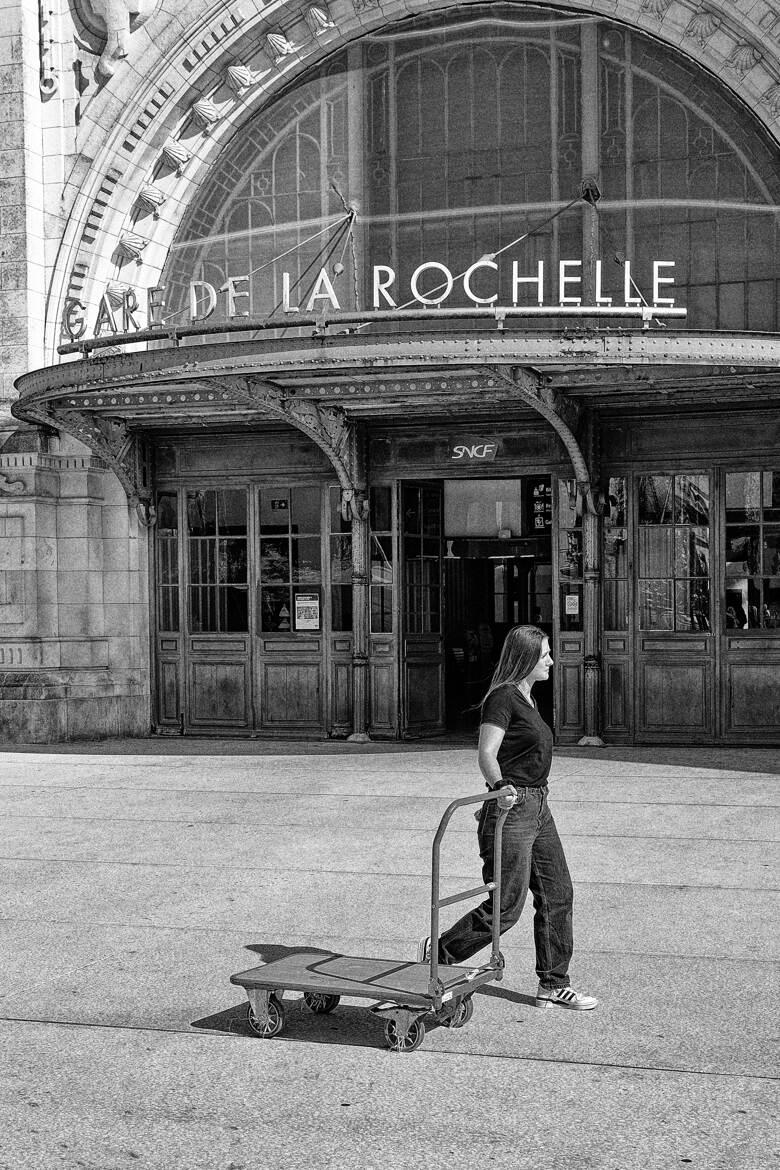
pixel 476 451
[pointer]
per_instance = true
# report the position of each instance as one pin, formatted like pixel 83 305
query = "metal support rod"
pixel 506 796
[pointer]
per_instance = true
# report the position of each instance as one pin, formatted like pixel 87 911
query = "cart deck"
pixel 378 979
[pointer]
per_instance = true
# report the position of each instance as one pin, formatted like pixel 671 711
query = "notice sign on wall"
pixel 572 604
pixel 307 611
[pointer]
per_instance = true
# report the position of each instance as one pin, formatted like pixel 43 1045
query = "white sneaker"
pixel 424 950
pixel 565 997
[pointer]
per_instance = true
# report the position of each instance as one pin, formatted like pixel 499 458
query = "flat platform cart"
pixel 405 994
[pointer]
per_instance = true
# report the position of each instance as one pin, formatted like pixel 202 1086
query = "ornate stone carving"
pixel 744 57
pixel 113 443
pixel 11 486
pixel 116 293
pixel 115 20
pixel 151 198
pixel 318 20
pixel 239 77
pixel 656 8
pixel 772 99
pixel 131 246
pixel 176 155
pixel 205 114
pixel 279 47
pixel 702 25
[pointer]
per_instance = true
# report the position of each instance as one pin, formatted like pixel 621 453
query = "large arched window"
pixel 455 134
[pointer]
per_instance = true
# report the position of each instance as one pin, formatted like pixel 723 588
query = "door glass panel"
pixel 752 554
pixel 290 578
pixel 692 499
pixel 381 559
pixel 422 553
pixel 167 547
pixel 274 560
pixel 674 552
pixel 305 506
pixel 655 499
pixel 692 602
pixel 655 605
pixel 217 526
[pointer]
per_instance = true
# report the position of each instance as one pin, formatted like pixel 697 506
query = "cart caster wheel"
pixel 462 1014
pixel 414 1037
pixel 320 1003
pixel 275 1020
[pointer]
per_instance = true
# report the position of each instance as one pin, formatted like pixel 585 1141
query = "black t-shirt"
pixel 525 754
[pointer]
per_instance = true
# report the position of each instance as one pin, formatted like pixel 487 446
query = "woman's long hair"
pixel 520 653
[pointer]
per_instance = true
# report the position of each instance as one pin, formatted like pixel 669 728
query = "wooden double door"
pixel 253 610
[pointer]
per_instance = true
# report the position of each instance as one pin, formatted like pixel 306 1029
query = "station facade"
pixel 367 332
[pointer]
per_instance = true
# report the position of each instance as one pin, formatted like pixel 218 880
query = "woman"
pixel 515 747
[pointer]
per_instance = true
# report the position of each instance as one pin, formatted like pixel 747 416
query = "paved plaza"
pixel 138 876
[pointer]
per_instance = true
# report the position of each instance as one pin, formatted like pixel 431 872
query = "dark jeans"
pixel 531 858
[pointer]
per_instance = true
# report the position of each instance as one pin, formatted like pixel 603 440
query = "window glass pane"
pixel 167 562
pixel 411 518
pixel 771 495
pixel 742 552
pixel 770 610
pixel 616 552
pixel 306 556
pixel 274 560
pixel 305 509
pixel 482 507
pixel 203 562
pixel 617 513
pixel 231 511
pixel 736 606
pixel 167 514
pixel 431 512
pixel 381 511
pixel 692 552
pixel 692 605
pixel 341 558
pixel 655 552
pixel 655 499
pixel 233 608
pixel 772 551
pixel 203 609
pixel 341 608
pixel 655 605
pixel 692 499
pixel 168 609
pixel 571 607
pixel 570 555
pixel 275 609
pixel 201 513
pixel 615 605
pixel 382 559
pixel 381 609
pixel 274 510
pixel 232 561
pixel 743 496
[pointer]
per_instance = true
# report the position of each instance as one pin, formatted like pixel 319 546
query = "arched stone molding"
pixel 169 125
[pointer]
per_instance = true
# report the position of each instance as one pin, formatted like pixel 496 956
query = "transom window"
pixel 455 133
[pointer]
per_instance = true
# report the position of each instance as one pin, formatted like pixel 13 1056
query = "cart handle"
pixel 506 797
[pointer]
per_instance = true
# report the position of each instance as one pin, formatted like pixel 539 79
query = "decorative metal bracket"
pixel 563 414
pixel 123 451
pixel 327 426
